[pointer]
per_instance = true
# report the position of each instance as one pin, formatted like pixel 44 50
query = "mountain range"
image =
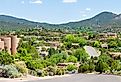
pixel 103 21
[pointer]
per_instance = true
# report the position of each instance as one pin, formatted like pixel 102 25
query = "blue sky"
pixel 57 11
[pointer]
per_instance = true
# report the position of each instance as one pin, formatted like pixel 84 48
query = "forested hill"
pixel 11 23
pixel 103 20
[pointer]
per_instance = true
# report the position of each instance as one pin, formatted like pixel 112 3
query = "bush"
pixel 60 71
pixel 10 71
pixel 45 73
pixel 34 64
pixel 83 68
pixel 39 73
pixel 91 66
pixel 21 66
pixel 71 67
pixel 6 58
pixel 72 59
pixel 102 66
pixel 51 70
pixel 32 72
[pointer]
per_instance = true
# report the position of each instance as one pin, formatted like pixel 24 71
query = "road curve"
pixel 91 51
pixel 83 78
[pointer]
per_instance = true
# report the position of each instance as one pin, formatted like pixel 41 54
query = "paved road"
pixel 91 51
pixel 84 78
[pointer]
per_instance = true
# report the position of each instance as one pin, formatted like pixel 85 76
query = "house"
pixel 108 35
pixel 44 53
pixel 112 35
pixel 64 65
pixel 9 43
pixel 75 45
pixel 105 45
pixel 115 54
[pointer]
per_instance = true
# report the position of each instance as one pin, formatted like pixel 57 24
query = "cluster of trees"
pixel 69 39
pixel 102 64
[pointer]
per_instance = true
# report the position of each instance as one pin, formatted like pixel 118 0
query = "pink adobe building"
pixel 9 43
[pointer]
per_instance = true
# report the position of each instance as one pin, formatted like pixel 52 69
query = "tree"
pixel 51 51
pixel 34 64
pixel 91 35
pixel 115 66
pixel 102 66
pixel 106 58
pixel 97 44
pixel 72 59
pixel 82 42
pixel 68 45
pixel 6 58
pixel 119 43
pixel 83 68
pixel 112 44
pixel 71 67
pixel 91 65
pixel 81 55
pixel 69 38
pixel 57 58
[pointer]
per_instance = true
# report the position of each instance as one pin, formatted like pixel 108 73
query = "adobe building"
pixel 9 43
pixel 108 35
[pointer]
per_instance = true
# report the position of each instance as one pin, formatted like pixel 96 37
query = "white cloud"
pixel 36 2
pixel 69 1
pixel 88 9
pixel 22 2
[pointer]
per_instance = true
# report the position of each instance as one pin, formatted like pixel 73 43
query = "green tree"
pixel 71 67
pixel 6 58
pixel 72 59
pixel 83 68
pixel 69 38
pixel 97 44
pixel 102 66
pixel 82 42
pixel 91 65
pixel 112 44
pixel 34 64
pixel 115 66
pixel 106 58
pixel 51 51
pixel 81 55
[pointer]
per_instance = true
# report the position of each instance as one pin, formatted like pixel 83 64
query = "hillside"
pixel 12 23
pixel 103 21
pixel 99 19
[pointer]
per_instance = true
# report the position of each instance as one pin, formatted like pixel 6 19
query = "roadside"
pixel 30 78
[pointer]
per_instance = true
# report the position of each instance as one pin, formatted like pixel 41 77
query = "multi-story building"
pixel 9 43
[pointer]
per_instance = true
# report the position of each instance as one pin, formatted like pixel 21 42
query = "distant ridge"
pixel 103 20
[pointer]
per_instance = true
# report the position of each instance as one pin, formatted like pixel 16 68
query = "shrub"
pixel 10 71
pixel 72 59
pixel 34 64
pixel 21 66
pixel 45 73
pixel 83 68
pixel 39 73
pixel 71 67
pixel 32 72
pixel 60 71
pixel 6 58
pixel 102 66
pixel 51 70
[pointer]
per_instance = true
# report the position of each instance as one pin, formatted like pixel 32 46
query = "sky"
pixel 57 11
